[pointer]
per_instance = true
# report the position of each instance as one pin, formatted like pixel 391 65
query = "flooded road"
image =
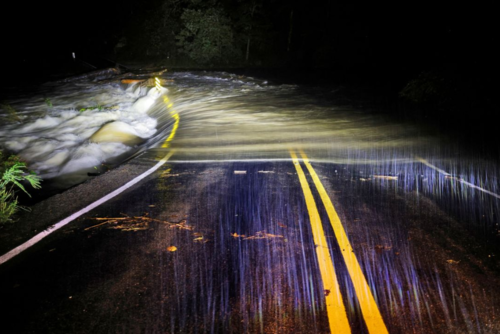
pixel 281 208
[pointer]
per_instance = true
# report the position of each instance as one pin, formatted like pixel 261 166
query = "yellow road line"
pixel 175 116
pixel 95 204
pixel 369 308
pixel 337 316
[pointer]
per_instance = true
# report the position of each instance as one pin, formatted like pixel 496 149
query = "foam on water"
pixel 53 129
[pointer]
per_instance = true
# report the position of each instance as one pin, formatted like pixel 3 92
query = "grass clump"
pixel 12 113
pixel 13 177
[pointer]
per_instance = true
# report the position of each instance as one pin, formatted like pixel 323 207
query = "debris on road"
pixel 134 223
pixel 380 248
pixel 182 225
pixel 258 235
pixel 385 177
pixel 199 237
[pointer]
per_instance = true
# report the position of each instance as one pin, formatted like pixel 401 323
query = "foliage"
pixel 161 27
pixel 203 32
pixel 426 87
pixel 8 205
pixel 445 90
pixel 13 173
pixel 13 116
pixel 48 102
pixel 97 106
pixel 253 28
pixel 207 37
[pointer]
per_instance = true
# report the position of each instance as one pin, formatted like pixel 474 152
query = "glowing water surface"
pixel 69 129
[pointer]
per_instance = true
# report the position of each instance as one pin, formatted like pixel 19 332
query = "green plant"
pixel 48 102
pixel 425 88
pixel 8 205
pixel 13 173
pixel 12 112
pixel 207 36
pixel 97 106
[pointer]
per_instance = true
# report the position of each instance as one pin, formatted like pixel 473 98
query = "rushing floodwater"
pixel 69 129
pixel 224 116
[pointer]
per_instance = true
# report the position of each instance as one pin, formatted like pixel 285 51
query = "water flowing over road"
pixel 281 208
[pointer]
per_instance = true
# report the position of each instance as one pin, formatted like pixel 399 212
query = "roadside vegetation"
pixel 14 176
pixel 194 33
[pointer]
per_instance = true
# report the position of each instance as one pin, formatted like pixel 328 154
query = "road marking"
pixel 337 316
pixel 9 255
pixel 428 164
pixel 175 116
pixel 369 308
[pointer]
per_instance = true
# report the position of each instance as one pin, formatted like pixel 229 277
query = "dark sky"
pixel 52 27
pixel 389 32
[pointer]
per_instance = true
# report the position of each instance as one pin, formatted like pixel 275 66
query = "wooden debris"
pixel 165 175
pixel 127 227
pixel 385 177
pixel 261 235
pixel 380 248
pixel 106 222
pixel 126 223
pixel 150 82
pixel 182 225
pixel 131 81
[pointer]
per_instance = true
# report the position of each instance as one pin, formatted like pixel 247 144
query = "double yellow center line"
pixel 337 316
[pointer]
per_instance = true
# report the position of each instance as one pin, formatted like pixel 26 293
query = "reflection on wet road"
pixel 229 247
pixel 278 212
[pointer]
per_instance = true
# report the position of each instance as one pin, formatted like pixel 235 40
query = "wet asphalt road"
pixel 227 247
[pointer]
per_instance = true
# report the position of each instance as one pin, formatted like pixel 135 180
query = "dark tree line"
pixel 202 32
pixel 402 40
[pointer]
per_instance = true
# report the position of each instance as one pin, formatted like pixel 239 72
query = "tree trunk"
pixel 247 54
pixel 248 50
pixel 290 32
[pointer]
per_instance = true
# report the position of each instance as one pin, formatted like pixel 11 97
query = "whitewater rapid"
pixel 69 127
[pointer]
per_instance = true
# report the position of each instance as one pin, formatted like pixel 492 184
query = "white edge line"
pixel 479 188
pixel 428 164
pixel 425 162
pixel 9 255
